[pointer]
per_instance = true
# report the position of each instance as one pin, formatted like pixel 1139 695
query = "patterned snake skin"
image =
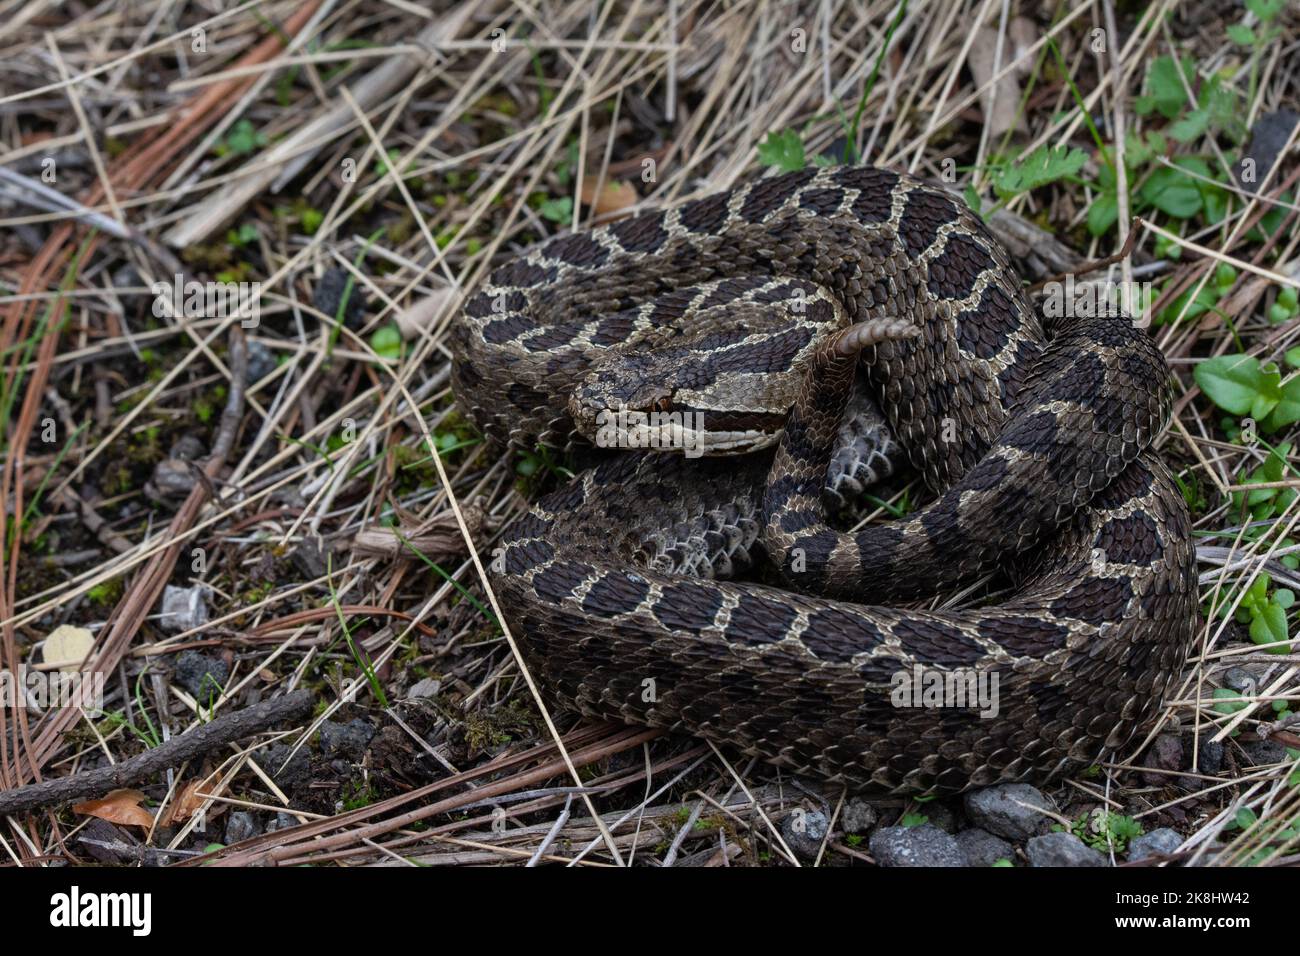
pixel 752 313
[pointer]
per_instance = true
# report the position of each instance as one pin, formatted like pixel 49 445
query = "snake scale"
pixel 763 326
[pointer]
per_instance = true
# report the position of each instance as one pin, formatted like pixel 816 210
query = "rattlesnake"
pixel 743 312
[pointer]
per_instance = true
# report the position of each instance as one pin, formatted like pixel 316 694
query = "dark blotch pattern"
pixel 823 202
pixel 1132 540
pixel 759 619
pixel 523 274
pixel 953 272
pixel 558 582
pixel 925 212
pixel 705 215
pixel 641 233
pixel 768 195
pixel 688 606
pixel 937 642
pixel 984 330
pixel 838 636
pixel 578 249
pixel 617 592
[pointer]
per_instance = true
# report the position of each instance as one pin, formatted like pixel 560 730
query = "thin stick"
pixel 194 742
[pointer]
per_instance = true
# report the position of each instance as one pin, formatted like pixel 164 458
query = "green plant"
pixel 1103 829
pixel 1265 612
pixel 1242 385
pixel 240 140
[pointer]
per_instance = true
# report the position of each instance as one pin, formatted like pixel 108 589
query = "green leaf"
pixel 1228 706
pixel 1102 214
pixel 1044 165
pixel 557 210
pixel 1269 627
pixel 1233 382
pixel 1166 93
pixel 1191 126
pixel 783 150
pixel 1287 410
pixel 387 342
pixel 242 139
pixel 1171 191
pixel 1242 34
pixel 1266 10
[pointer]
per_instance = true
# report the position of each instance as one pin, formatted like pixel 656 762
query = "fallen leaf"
pixel 613 196
pixel 66 647
pixel 121 807
pixel 183 806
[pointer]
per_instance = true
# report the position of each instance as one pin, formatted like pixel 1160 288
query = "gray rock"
pixel 939 815
pixel 1062 849
pixel 428 687
pixel 1008 810
pixel 203 676
pixel 242 825
pixel 329 293
pixel 1268 138
pixel 1163 840
pixel 186 448
pixel 925 845
pixel 804 831
pixel 346 740
pixel 1262 752
pixel 1241 679
pixel 261 362
pixel 858 816
pixel 290 775
pixel 1209 757
pixel 1165 753
pixel 183 608
pixel 311 557
pixel 282 821
pixel 982 848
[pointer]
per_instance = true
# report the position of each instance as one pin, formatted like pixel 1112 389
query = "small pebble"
pixel 1163 840
pixel 1165 753
pixel 804 831
pixel 925 845
pixel 858 816
pixel 1062 849
pixel 982 848
pixel 201 675
pixel 242 825
pixel 183 608
pixel 346 740
pixel 1008 810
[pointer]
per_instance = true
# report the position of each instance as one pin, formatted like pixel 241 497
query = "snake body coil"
pixel 744 319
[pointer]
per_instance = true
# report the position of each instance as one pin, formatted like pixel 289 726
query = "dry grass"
pixel 501 117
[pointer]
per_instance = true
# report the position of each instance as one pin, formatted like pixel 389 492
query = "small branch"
pixel 1097 263
pixel 199 740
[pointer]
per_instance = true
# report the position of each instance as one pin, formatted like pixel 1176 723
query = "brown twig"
pixel 1124 252
pixel 193 743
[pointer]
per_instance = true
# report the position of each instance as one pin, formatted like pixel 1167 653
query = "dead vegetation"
pixel 364 164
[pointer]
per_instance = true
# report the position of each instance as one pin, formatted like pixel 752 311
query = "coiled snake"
pixel 741 321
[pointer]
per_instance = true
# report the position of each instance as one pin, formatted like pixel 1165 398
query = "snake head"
pixel 647 401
